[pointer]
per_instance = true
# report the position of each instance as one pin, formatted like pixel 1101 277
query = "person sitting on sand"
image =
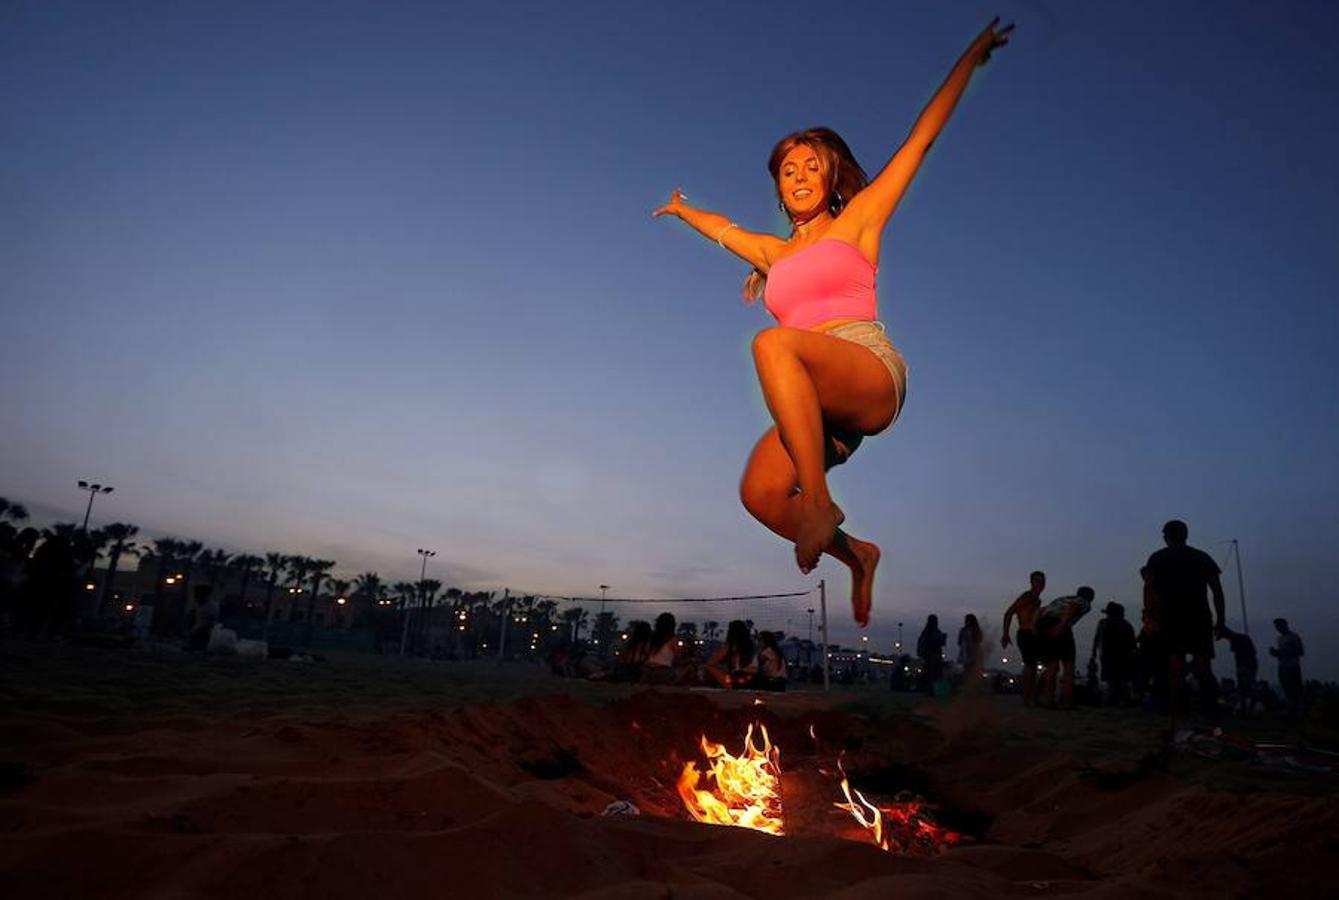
pixel 1115 641
pixel 631 657
pixel 1026 608
pixel 771 663
pixel 734 664
pixel 666 663
pixel 930 648
pixel 1055 628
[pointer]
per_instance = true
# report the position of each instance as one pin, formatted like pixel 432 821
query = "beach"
pixel 132 774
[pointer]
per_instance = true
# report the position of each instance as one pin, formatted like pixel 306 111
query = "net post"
pixel 506 613
pixel 823 629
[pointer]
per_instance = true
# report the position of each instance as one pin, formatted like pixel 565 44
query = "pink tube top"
pixel 829 279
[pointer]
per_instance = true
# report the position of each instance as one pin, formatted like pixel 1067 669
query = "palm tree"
pixel 298 567
pixel 187 554
pixel 606 626
pixel 367 589
pixel 576 620
pixel 121 536
pixel 165 549
pixel 15 512
pixel 247 564
pixel 320 571
pixel 275 566
pixel 428 589
pixel 339 590
pixel 216 563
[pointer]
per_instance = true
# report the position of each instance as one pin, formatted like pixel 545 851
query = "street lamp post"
pixel 93 491
pixel 422 576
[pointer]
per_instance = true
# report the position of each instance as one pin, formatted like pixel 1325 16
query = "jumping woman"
pixel 829 374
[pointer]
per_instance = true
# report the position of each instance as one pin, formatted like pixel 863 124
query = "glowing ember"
pixel 905 827
pixel 744 790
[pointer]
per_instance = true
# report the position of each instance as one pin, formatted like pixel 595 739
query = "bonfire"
pixel 744 791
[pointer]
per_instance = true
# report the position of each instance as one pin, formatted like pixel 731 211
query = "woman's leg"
pixel 809 378
pixel 769 490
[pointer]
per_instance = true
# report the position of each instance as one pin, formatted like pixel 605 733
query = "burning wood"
pixel 904 827
pixel 744 790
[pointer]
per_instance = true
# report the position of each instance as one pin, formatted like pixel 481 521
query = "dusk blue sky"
pixel 349 279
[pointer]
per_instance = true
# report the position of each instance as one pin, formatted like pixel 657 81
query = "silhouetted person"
pixel 1055 628
pixel 48 593
pixel 1289 652
pixel 735 663
pixel 969 649
pixel 1114 643
pixel 771 663
pixel 632 656
pixel 1248 667
pixel 930 648
pixel 661 661
pixel 1180 577
pixel 1026 607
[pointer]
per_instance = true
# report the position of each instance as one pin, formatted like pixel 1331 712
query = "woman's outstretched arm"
pixel 756 249
pixel 875 204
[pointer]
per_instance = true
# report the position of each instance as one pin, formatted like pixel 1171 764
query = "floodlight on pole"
pixel 93 491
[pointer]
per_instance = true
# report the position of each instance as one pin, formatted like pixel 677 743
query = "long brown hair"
pixel 844 176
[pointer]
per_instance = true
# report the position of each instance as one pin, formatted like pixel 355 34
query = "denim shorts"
pixel 872 337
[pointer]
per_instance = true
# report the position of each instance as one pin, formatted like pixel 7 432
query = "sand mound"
pixel 503 799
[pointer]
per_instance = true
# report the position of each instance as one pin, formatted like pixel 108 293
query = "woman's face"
pixel 803 183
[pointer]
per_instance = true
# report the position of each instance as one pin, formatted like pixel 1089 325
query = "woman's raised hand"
pixel 675 206
pixel 991 39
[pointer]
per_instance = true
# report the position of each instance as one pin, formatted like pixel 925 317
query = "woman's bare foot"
pixel 862 578
pixel 818 527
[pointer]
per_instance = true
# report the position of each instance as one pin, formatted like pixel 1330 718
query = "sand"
pixel 129 775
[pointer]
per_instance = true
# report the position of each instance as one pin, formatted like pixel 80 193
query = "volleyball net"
pixel 797 619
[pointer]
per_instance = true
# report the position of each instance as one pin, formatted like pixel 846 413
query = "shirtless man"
pixel 1026 608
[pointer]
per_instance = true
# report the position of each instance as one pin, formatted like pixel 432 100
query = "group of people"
pixel 1177 625
pixel 655 654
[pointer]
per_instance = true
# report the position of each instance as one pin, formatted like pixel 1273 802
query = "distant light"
pixel 680 643
pixel 340 600
pixel 624 636
pixel 1005 659
pixel 90 586
pixel 171 580
pixel 130 607
pixel 865 638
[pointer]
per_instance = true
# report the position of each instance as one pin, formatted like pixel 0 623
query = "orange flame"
pixel 904 827
pixel 747 788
